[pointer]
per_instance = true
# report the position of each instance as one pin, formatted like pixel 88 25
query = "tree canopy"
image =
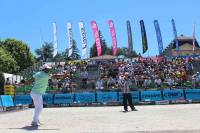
pixel 45 52
pixel 17 53
pixel 8 64
pixel 107 50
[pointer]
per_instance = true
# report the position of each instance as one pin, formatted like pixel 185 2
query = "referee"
pixel 126 83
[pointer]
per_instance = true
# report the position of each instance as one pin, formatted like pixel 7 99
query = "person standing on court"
pixel 40 85
pixel 125 84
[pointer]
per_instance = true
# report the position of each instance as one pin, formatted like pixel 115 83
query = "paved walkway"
pixel 148 119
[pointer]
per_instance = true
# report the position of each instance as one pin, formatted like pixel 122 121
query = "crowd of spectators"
pixel 144 74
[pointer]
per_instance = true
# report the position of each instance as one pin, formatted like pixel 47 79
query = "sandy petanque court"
pixel 148 119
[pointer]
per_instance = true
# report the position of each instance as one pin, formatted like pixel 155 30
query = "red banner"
pixel 97 37
pixel 113 35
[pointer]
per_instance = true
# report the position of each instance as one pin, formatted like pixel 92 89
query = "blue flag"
pixel 144 36
pixel 175 35
pixel 159 36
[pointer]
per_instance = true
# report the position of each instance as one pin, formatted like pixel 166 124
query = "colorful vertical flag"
pixel 193 47
pixel 83 39
pixel 130 40
pixel 113 35
pixel 144 37
pixel 55 46
pixel 97 37
pixel 70 38
pixel 175 35
pixel 159 36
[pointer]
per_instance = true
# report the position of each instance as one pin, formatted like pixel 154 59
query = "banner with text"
pixel 151 96
pixel 135 96
pixel 55 46
pixel 85 97
pixel 175 35
pixel 192 94
pixel 104 97
pixel 144 37
pixel 130 39
pixel 113 35
pixel 22 99
pixel 159 36
pixel 48 99
pixel 97 37
pixel 173 94
pixel 83 39
pixel 63 98
pixel 70 38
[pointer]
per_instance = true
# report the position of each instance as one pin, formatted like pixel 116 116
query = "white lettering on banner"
pixel 177 94
pixel 70 38
pixel 97 38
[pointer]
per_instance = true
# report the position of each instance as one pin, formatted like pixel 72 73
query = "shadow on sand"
pixel 31 128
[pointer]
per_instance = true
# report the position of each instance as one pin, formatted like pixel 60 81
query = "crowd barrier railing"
pixel 105 97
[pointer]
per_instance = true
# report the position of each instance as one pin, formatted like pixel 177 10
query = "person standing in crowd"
pixel 8 82
pixel 125 84
pixel 84 76
pixel 40 85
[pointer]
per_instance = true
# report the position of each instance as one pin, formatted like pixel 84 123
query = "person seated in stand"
pixel 110 83
pixel 99 84
pixel 158 82
pixel 67 85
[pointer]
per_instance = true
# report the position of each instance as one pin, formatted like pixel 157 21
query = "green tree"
pixel 75 53
pixel 104 47
pixel 8 64
pixel 19 51
pixel 2 80
pixel 46 52
pixel 124 51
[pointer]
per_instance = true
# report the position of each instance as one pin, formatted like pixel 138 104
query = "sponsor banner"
pixel 146 102
pixel 97 37
pixel 70 38
pixel 105 97
pixel 182 101
pixel 22 99
pixel 130 39
pixel 163 102
pixel 55 46
pixel 113 35
pixel 144 37
pixel 0 103
pixel 7 101
pixel 175 34
pixel 192 94
pixel 173 95
pixel 151 96
pixel 48 99
pixel 85 97
pixel 135 96
pixel 63 98
pixel 83 39
pixel 159 36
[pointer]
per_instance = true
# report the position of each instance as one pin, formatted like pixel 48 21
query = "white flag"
pixel 83 39
pixel 55 46
pixel 70 38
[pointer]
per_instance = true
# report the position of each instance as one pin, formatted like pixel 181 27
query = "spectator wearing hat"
pixel 125 84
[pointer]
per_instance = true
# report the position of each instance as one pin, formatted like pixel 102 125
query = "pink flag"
pixel 96 36
pixel 113 35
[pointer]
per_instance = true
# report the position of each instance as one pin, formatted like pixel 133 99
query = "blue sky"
pixel 31 21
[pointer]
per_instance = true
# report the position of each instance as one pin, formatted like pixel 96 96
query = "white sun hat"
pixel 46 66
